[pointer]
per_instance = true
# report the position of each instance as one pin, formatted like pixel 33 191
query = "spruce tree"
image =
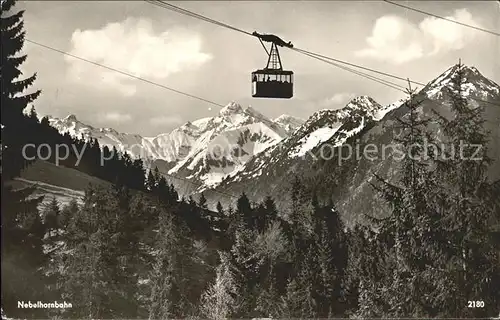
pixel 150 181
pixel 220 209
pixel 101 271
pixel 22 251
pixel 202 203
pixel 22 228
pixel 469 205
pixel 13 99
pixel 330 260
pixel 413 225
pixel 298 301
pixel 271 210
pixel 172 276
pixel 67 212
pixel 52 216
pixel 221 298
pixel 127 251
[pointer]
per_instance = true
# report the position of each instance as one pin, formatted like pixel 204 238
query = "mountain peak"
pixel 365 102
pixel 474 83
pixel 452 71
pixel 231 108
pixel 71 117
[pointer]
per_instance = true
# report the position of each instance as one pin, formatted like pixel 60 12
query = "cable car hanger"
pixel 272 38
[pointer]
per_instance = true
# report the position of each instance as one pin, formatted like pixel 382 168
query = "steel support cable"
pixel 442 18
pixel 177 9
pixel 362 74
pixel 172 7
pixel 311 54
pixel 357 66
pixel 123 73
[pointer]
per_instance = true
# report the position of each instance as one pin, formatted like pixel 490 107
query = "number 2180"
pixel 476 304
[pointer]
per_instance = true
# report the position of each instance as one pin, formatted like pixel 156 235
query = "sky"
pixel 215 63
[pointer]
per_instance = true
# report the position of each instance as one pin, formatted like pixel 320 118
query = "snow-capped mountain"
pixel 290 123
pixel 360 123
pixel 169 147
pixel 474 84
pixel 325 125
pixel 226 143
pixel 204 151
pixel 241 150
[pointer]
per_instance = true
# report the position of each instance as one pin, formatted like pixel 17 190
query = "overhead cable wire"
pixel 124 73
pixel 132 76
pixel 362 74
pixel 135 77
pixel 177 9
pixel 442 18
pixel 355 65
pixel 186 12
pixel 174 8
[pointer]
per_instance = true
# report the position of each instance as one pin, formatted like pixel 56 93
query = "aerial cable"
pixel 171 7
pixel 362 74
pixel 442 18
pixel 124 73
pixel 355 65
pixel 177 9
pixel 131 75
pixel 310 54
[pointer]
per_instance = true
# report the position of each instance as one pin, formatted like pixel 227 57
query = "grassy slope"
pixel 60 176
pixel 56 181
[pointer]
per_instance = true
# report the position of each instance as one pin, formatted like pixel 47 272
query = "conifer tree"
pixel 470 208
pixel 22 228
pixel 221 298
pixel 298 301
pixel 13 99
pixel 172 277
pixel 67 213
pixel 202 203
pixel 413 225
pixel 52 216
pixel 127 251
pixel 101 272
pixel 329 260
pixel 22 251
pixel 220 209
pixel 271 210
pixel 150 181
pixel 173 193
pixel 82 269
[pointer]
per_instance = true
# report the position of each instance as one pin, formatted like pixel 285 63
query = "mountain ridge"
pixel 348 185
pixel 258 155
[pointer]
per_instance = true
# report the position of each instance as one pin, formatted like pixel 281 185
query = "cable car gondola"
pixel 272 81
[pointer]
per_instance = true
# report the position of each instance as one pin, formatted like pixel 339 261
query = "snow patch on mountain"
pixel 290 123
pixel 346 134
pixel 381 113
pixel 204 151
pixel 314 139
pixel 325 124
pixel 215 159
